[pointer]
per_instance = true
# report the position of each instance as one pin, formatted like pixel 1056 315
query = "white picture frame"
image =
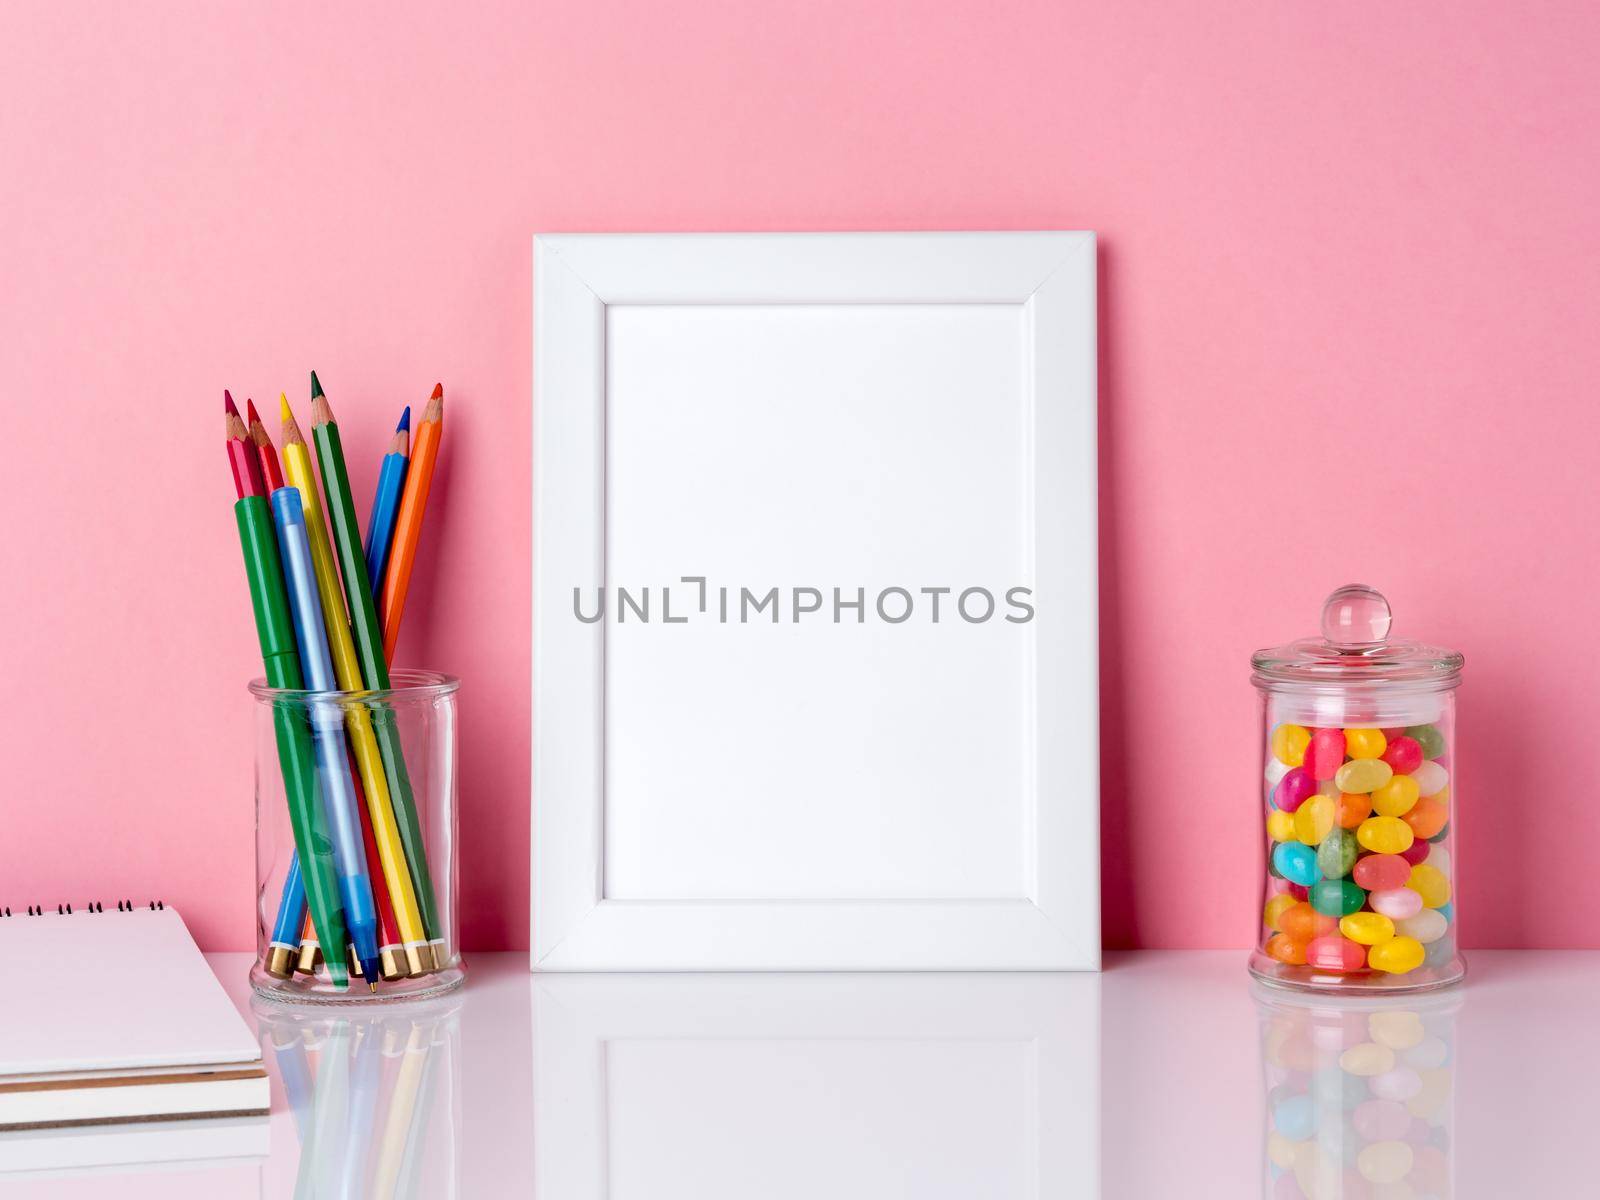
pixel 855 415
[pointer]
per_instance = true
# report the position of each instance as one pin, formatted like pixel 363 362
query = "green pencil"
pixel 281 661
pixel 369 645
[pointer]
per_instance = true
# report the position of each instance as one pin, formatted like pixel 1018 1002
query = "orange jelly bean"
pixel 1426 818
pixel 1301 923
pixel 1286 950
pixel 1354 808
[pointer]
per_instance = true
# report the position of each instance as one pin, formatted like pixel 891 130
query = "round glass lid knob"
pixel 1356 617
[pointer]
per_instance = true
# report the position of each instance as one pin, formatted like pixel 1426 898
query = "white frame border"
pixel 574 927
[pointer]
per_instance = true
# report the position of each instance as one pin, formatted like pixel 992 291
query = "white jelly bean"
pixel 1275 770
pixel 1402 1083
pixel 1427 1054
pixel 1430 778
pixel 1439 860
pixel 1397 903
pixel 1398 1030
pixel 1427 926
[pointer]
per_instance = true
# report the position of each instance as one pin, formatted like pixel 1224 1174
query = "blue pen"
pixel 386 500
pixel 327 726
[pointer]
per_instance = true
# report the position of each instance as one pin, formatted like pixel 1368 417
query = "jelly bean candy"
pixel 1337 897
pixel 1382 872
pixel 1428 1054
pixel 1442 834
pixel 1431 778
pixel 1363 775
pixel 1367 1059
pixel 1441 952
pixel 1302 923
pixel 1324 753
pixel 1298 863
pixel 1298 890
pixel 1280 825
pixel 1395 903
pixel 1286 950
pixel 1276 906
pixel 1435 1094
pixel 1427 818
pixel 1403 754
pixel 1396 1029
pixel 1314 819
pixel 1429 738
pixel 1429 883
pixel 1331 952
pixel 1289 744
pixel 1336 853
pixel 1442 795
pixel 1280 1150
pixel 1396 956
pixel 1385 1162
pixel 1328 788
pixel 1381 1120
pixel 1294 789
pixel 1275 771
pixel 1354 808
pixel 1400 1084
pixel 1427 927
pixel 1364 743
pixel 1416 852
pixel 1447 911
pixel 1368 928
pixel 1395 798
pixel 1294 1114
pixel 1384 835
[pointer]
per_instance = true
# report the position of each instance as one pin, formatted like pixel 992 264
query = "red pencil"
pixel 391 954
pixel 268 453
pixel 242 454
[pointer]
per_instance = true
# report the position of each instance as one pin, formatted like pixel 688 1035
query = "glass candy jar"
pixel 1358 806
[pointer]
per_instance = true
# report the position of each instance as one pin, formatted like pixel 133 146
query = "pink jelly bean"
pixel 1286 1188
pixel 1396 903
pixel 1381 872
pixel 1416 852
pixel 1325 754
pixel 1293 789
pixel 1334 953
pixel 1381 1120
pixel 1299 891
pixel 1403 754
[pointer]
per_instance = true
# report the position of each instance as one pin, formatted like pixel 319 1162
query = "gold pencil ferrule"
pixel 279 962
pixel 391 962
pixel 310 955
pixel 354 960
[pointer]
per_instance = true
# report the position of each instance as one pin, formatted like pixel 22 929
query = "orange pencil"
pixel 408 524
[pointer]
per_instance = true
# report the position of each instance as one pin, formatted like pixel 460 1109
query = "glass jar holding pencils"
pixel 372 915
pixel 1358 804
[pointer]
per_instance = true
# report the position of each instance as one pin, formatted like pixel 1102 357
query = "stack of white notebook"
pixel 115 1016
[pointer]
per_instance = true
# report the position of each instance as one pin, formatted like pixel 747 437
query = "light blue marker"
pixel 327 725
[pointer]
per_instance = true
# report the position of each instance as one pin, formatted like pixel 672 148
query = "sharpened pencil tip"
pixel 316 386
pixel 405 420
pixel 250 411
pixel 227 402
pixel 284 413
pixel 438 392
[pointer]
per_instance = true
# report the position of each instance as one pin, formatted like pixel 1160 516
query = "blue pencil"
pixel 386 500
pixel 285 943
pixel 327 727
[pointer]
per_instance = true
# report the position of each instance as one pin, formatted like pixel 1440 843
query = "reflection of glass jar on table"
pixel 1360 1095
pixel 1358 806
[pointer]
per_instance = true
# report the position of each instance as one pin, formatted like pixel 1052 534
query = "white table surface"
pixel 1151 1080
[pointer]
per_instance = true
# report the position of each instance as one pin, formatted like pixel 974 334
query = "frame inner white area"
pixel 817 446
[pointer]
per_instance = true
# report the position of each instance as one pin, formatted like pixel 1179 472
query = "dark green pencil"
pixel 369 645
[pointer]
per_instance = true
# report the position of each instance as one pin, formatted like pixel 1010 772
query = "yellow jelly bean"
pixel 1280 825
pixel 1385 1162
pixel 1315 818
pixel 1395 798
pixel 1385 835
pixel 1431 884
pixel 1367 928
pixel 1442 796
pixel 1276 907
pixel 1280 1150
pixel 1435 1093
pixel 1289 744
pixel 1396 956
pixel 1397 1029
pixel 1365 743
pixel 1367 1059
pixel 1363 775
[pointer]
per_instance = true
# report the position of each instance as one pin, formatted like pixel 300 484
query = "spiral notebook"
pixel 115 1016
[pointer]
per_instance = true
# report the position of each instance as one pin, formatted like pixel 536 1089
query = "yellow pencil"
pixel 347 669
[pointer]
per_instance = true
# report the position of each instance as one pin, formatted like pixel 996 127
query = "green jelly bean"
pixel 1337 853
pixel 1442 834
pixel 1429 738
pixel 1337 897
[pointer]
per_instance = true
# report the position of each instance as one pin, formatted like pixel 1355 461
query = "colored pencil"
pixel 397 895
pixel 391 953
pixel 369 646
pixel 284 945
pixel 386 498
pixel 281 661
pixel 327 728
pixel 408 522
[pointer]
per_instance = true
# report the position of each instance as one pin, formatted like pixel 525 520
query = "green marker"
pixel 281 660
pixel 369 646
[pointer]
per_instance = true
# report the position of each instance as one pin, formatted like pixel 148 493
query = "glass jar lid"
pixel 1355 647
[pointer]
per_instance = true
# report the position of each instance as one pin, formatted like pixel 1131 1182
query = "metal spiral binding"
pixel 94 906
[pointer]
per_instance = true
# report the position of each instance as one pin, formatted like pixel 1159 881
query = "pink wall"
pixel 1349 303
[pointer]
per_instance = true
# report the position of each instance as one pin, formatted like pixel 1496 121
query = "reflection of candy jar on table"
pixel 1359 1096
pixel 1358 805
